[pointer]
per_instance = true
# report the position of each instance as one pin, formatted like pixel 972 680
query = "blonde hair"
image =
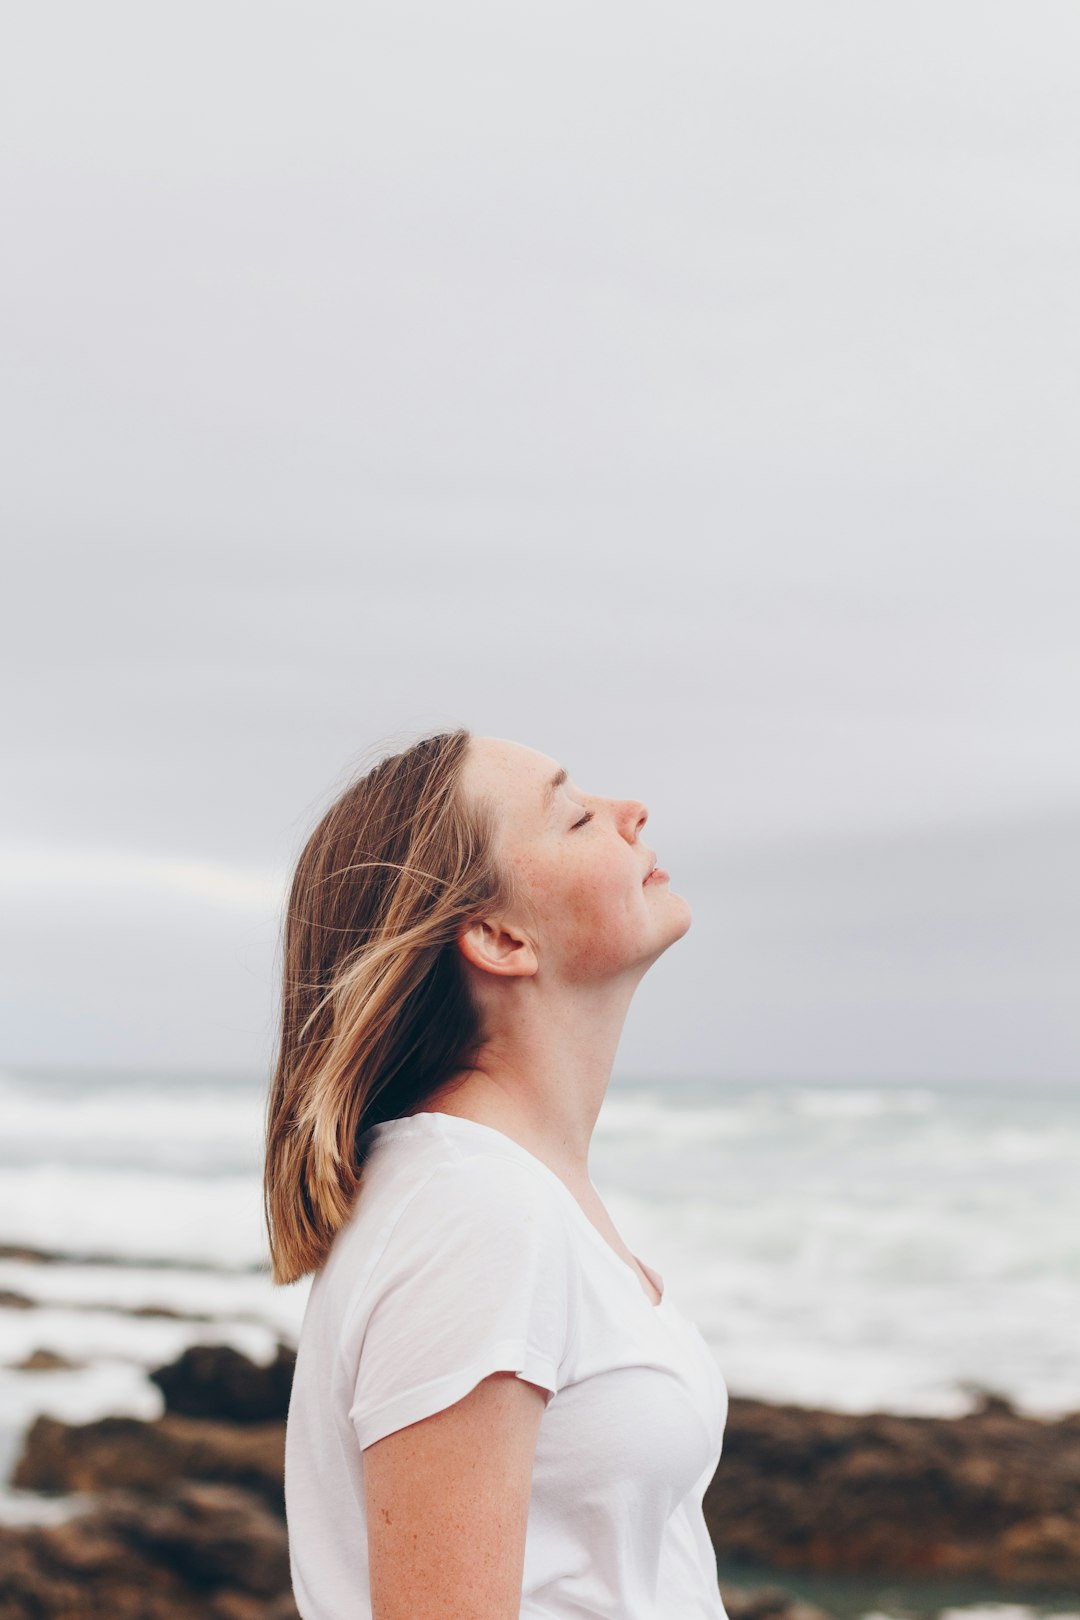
pixel 375 1008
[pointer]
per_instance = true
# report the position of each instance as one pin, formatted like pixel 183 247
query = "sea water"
pixel 874 1247
pixel 896 1248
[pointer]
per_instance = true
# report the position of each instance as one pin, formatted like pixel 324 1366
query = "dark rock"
pixel 12 1301
pixel 165 1313
pixel 89 1257
pixel 212 1535
pixel 63 1457
pixel 987 1400
pixel 196 1552
pixel 993 1494
pixel 44 1361
pixel 216 1381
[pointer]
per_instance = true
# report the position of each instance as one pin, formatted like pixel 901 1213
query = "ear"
pixel 495 948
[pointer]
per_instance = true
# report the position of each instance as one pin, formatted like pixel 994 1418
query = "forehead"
pixel 509 772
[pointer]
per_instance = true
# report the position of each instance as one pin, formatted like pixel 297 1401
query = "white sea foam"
pixel 851 1247
pixel 106 1335
pixel 852 1103
pixel 1007 1611
pixel 197 1127
pixel 105 1387
pixel 30 1507
pixel 110 1386
pixel 143 1214
pixel 242 1295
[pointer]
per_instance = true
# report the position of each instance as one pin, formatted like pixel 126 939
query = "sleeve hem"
pixel 514 1355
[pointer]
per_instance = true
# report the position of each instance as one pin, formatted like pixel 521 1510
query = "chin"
pixel 686 915
pixel 677 919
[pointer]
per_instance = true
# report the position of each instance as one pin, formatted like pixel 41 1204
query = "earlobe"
pixel 494 948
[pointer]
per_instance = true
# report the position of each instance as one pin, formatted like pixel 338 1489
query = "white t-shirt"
pixel 466 1255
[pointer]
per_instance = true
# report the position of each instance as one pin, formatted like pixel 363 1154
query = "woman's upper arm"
pixel 448 1503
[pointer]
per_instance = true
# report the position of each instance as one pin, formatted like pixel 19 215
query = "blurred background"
pixel 689 392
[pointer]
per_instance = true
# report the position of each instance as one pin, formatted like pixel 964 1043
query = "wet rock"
pixel 196 1552
pixel 45 1361
pixel 165 1313
pixel 213 1535
pixel 994 1494
pixel 216 1381
pixel 121 1451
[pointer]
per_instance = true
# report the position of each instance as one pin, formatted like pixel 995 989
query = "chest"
pixel 644 1400
pixel 598 1218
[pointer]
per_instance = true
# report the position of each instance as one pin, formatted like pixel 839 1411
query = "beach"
pixel 859 1256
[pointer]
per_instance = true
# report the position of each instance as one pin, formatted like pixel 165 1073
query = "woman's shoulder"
pixel 439 1155
pixel 453 1174
pixel 434 1225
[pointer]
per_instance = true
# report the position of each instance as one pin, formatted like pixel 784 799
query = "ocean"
pixel 872 1247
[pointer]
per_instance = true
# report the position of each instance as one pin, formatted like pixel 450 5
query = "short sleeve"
pixel 476 1277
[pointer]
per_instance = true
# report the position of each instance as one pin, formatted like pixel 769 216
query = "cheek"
pixel 604 900
pixel 592 913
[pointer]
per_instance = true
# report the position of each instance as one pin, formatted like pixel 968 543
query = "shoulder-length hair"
pixel 375 1007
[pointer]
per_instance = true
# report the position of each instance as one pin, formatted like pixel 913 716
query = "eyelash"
pixel 586 817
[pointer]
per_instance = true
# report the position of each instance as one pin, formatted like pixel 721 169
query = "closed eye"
pixel 586 817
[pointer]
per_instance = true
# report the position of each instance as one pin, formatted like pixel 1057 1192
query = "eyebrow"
pixel 552 787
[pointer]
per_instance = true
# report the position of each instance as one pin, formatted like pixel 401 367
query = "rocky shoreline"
pixel 994 1495
pixel 182 1517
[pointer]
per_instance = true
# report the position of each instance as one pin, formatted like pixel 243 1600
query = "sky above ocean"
pixel 691 393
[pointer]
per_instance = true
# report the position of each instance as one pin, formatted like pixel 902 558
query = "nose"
pixel 634 816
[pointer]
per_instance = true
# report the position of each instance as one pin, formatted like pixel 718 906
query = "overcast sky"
pixel 689 391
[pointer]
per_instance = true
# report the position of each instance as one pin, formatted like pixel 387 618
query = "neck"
pixel 542 1074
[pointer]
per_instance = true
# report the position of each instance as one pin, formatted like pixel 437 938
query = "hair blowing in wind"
pixel 375 1009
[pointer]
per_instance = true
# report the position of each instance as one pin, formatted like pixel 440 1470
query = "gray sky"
pixel 691 392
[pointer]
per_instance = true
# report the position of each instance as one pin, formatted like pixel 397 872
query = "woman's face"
pixel 594 911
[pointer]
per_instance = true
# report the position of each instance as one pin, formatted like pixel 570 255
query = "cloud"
pixel 30 875
pixel 691 394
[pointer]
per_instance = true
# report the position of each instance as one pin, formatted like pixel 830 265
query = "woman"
pixel 497 1410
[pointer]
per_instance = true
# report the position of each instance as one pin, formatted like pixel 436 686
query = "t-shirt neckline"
pixel 437 1118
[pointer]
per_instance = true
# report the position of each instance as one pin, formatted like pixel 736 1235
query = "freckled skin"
pixel 591 916
pixel 448 1497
